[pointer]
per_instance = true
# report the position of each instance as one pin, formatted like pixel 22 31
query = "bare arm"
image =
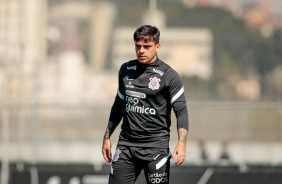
pixel 115 117
pixel 106 147
pixel 110 130
pixel 179 153
pixel 182 135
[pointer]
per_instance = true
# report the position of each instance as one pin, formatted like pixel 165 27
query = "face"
pixel 146 52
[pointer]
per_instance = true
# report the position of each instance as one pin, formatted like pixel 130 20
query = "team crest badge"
pixel 116 155
pixel 154 83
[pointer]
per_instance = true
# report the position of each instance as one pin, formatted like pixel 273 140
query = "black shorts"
pixel 128 163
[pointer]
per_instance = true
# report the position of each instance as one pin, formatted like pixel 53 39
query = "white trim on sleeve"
pixel 177 95
pixel 120 95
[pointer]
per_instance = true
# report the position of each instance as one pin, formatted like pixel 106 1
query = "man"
pixel 147 91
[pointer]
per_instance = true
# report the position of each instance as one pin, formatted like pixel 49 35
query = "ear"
pixel 158 46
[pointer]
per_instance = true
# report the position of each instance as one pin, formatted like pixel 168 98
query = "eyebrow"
pixel 142 45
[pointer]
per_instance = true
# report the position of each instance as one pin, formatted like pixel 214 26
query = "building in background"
pixel 86 30
pixel 187 50
pixel 22 46
pixel 84 47
pixel 60 51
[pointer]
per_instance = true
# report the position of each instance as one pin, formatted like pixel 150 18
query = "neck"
pixel 154 59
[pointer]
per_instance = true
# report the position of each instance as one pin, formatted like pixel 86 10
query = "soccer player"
pixel 148 89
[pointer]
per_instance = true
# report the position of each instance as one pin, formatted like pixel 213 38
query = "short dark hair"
pixel 147 33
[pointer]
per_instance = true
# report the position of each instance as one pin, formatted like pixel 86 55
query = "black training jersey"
pixel 148 93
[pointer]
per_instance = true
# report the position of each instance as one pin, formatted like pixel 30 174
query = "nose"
pixel 141 49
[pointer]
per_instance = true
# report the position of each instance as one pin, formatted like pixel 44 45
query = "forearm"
pixel 110 129
pixel 115 117
pixel 182 135
pixel 182 124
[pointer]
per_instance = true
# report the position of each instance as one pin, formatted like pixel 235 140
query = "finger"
pixel 179 160
pixel 176 160
pixel 182 160
pixel 105 155
pixel 178 163
pixel 109 156
pixel 174 155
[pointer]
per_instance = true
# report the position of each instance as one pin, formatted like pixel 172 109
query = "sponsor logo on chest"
pixel 135 94
pixel 133 105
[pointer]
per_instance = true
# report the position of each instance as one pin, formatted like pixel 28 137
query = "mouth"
pixel 142 57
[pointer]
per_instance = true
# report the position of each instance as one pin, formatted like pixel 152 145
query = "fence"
pixel 58 70
pixel 73 133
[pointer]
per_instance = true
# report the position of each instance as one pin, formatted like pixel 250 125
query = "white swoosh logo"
pixel 156 156
pixel 163 161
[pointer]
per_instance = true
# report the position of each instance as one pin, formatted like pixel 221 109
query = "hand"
pixel 179 153
pixel 106 150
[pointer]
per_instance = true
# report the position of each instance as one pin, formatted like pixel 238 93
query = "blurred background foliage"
pixel 238 49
